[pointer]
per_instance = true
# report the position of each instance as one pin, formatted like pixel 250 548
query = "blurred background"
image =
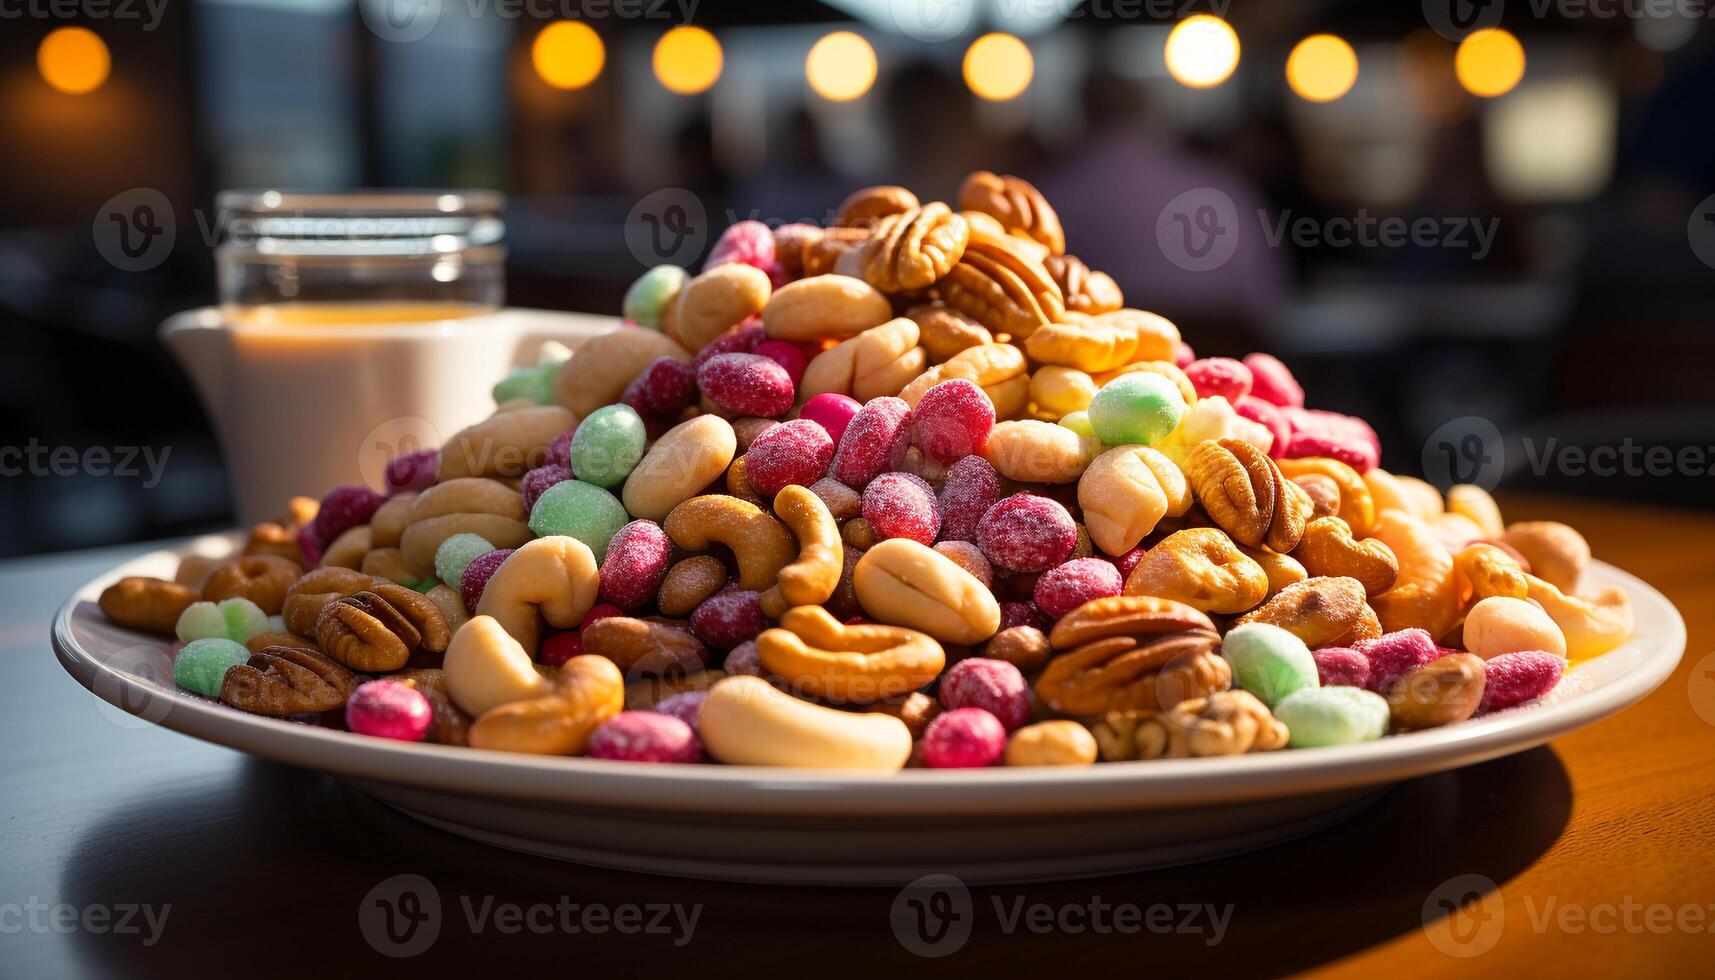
pixel 1444 215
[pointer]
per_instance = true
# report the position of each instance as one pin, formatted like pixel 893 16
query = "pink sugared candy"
pixel 1270 415
pixel 788 356
pixel 1182 354
pixel 1273 382
pixel 560 447
pixel 1342 437
pixel 964 738
pixel 1393 655
pixel 832 411
pixel 1017 613
pixel 1064 588
pixel 794 452
pixel 726 619
pixel 995 686
pixel 747 242
pixel 872 442
pixel 412 471
pixel 476 576
pixel 742 339
pixel 743 659
pixel 746 384
pixel 537 481
pixel 645 736
pixel 899 505
pixel 635 563
pixel 971 488
pixel 1341 667
pixel 687 706
pixel 560 647
pixel 662 391
pixel 599 612
pixel 1511 679
pixel 1219 376
pixel 1128 561
pixel 1027 533
pixel 342 509
pixel 388 709
pixel 952 420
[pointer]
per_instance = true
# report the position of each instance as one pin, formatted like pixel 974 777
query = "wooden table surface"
pixel 1589 855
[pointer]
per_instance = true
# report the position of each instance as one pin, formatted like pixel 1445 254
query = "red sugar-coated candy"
pixel 560 448
pixel 794 452
pixel 970 558
pixel 344 508
pixel 1270 415
pixel 387 708
pixel 1341 667
pixel 1024 614
pixel 1064 588
pixel 477 574
pixel 1183 354
pixel 636 562
pixel 1272 381
pixel 832 411
pixel 1027 533
pixel 964 738
pixel 599 612
pixel 787 356
pixel 1396 654
pixel 746 384
pixel 952 421
pixel 537 481
pixel 899 505
pixel 310 544
pixel 645 736
pixel 1219 376
pixel 971 488
pixel 992 685
pixel 1128 561
pixel 744 659
pixel 412 471
pixel 664 389
pixel 1511 679
pixel 687 706
pixel 560 647
pixel 747 242
pixel 1343 437
pixel 742 339
pixel 867 448
pixel 726 619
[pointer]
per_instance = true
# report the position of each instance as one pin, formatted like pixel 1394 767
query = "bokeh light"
pixel 1202 51
pixel 841 66
pixel 1321 68
pixel 998 67
pixel 688 60
pixel 568 54
pixel 73 60
pixel 1489 63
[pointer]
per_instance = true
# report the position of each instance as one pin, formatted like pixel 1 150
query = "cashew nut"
pixel 588 691
pixel 485 668
pixel 810 580
pixel 1328 548
pixel 762 544
pixel 1592 626
pixel 553 578
pixel 817 655
pixel 747 722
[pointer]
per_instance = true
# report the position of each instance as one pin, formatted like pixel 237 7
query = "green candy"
pixel 1137 409
pixel 1332 716
pixel 535 383
pixel 1079 422
pixel 649 295
pixel 232 619
pixel 1268 661
pixel 607 445
pixel 455 553
pixel 202 664
pixel 579 510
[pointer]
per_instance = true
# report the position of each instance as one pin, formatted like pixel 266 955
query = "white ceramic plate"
pixel 755 824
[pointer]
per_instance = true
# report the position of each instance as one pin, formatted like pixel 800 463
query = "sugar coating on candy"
pixel 970 558
pixel 747 242
pixel 1219 376
pixel 952 420
pixel 1511 679
pixel 580 510
pixel 650 293
pixel 972 486
pixel 662 390
pixel 1273 382
pixel 534 383
pixel 412 471
pixel 992 685
pixel 964 738
pixel 900 505
pixel 1183 354
pixel 866 449
pixel 310 543
pixel 746 384
pixel 687 706
pixel 388 709
pixel 1128 561
pixel 237 619
pixel 476 576
pixel 1342 437
pixel 788 356
pixel 1268 661
pixel 1078 422
pixel 636 562
pixel 537 481
pixel 742 339
pixel 560 647
pixel 201 665
pixel 1393 655
pixel 744 659
pixel 1270 416
pixel 1318 716
pixel 344 508
pixel 599 612
pixel 1141 408
pixel 1064 588
pixel 645 736
pixel 607 445
pixel 726 619
pixel 1027 533
pixel 458 551
pixel 796 452
pixel 1024 613
pixel 1342 667
pixel 560 448
pixel 832 411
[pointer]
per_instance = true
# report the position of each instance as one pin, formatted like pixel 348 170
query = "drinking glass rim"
pixel 362 202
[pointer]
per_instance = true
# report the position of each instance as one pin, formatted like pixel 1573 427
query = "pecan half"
pixel 1125 615
pixel 914 248
pixel 1243 492
pixel 309 595
pixel 377 630
pixel 1001 287
pixel 865 207
pixel 1086 291
pixel 282 680
pixel 821 254
pixel 1016 204
pixel 1129 673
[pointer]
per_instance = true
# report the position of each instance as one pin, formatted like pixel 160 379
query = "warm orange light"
pixel 841 66
pixel 688 60
pixel 568 54
pixel 1489 63
pixel 1202 51
pixel 1322 68
pixel 998 67
pixel 73 60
